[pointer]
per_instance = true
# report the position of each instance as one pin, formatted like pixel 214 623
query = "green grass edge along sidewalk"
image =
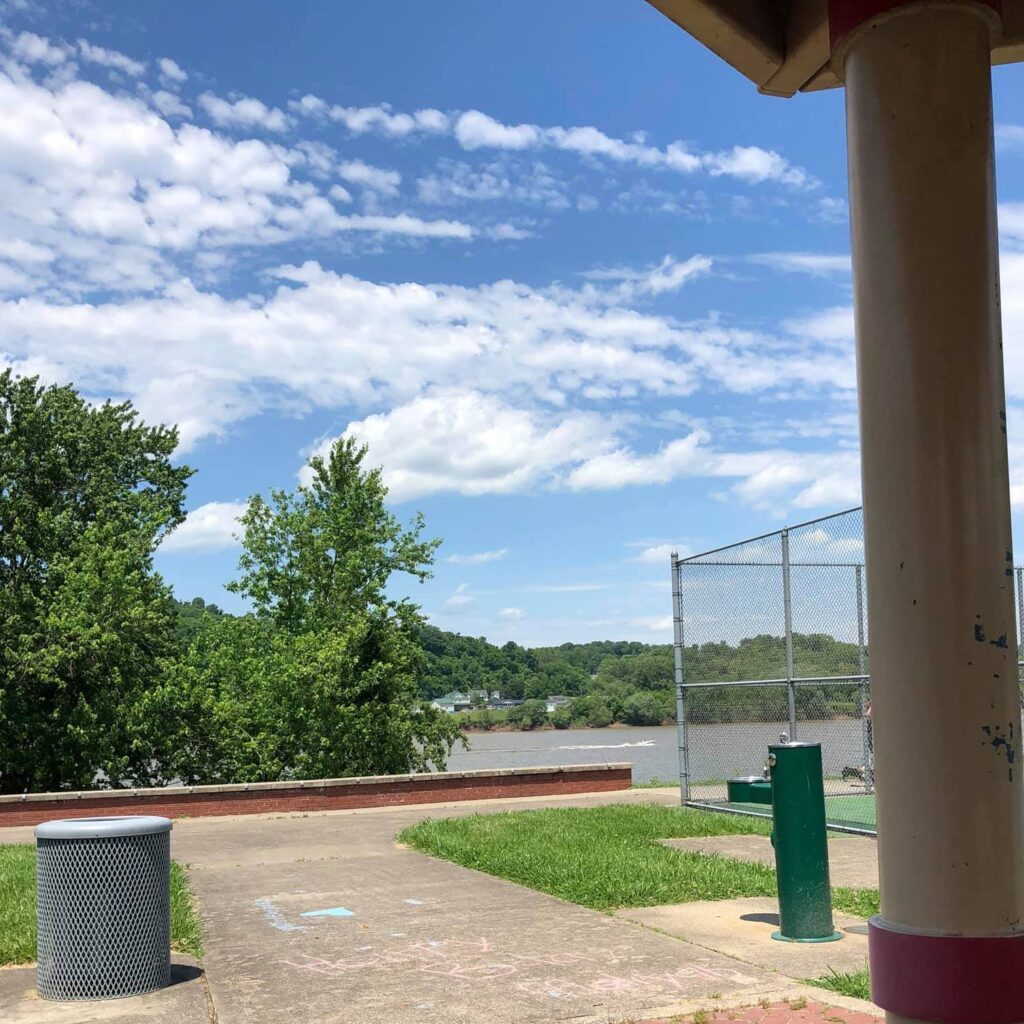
pixel 609 857
pixel 18 908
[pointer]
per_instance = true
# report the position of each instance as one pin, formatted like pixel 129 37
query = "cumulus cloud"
pixel 109 59
pixel 381 180
pixel 171 70
pixel 33 49
pixel 244 112
pixel 380 118
pixel 471 443
pixel 511 614
pixel 210 527
pixel 170 104
pixel 478 557
pixel 119 194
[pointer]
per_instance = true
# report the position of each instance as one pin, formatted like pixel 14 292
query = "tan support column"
pixel 946 711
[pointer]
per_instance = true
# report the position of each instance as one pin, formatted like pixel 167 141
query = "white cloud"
pixel 668 276
pixel 171 70
pixel 33 49
pixel 508 233
pixel 685 456
pixel 460 598
pixel 109 59
pixel 210 527
pixel 120 195
pixel 658 554
pixel 243 112
pixel 377 179
pixel 813 263
pixel 470 443
pixel 755 165
pixel 456 181
pixel 340 194
pixel 170 105
pixel 511 614
pixel 478 557
pixel 549 363
pixel 475 130
pixel 380 118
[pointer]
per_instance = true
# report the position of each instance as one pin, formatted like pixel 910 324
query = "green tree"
pixel 323 677
pixel 87 492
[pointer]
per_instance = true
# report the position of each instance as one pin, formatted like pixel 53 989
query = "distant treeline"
pixel 633 683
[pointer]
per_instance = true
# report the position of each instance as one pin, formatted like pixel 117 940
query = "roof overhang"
pixel 782 46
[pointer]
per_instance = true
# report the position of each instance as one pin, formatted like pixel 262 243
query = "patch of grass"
pixel 17 904
pixel 186 928
pixel 856 983
pixel 601 857
pixel 18 908
pixel 610 857
pixel 858 902
pixel 656 783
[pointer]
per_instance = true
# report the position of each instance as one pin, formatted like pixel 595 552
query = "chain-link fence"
pixel 771 638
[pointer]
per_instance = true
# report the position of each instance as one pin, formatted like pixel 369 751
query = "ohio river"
pixel 716 751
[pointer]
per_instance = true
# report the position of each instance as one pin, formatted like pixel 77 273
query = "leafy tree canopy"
pixel 323 677
pixel 86 494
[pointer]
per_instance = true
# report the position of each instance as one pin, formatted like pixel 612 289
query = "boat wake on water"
pixel 606 746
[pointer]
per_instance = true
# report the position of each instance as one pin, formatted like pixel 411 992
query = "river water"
pixel 716 751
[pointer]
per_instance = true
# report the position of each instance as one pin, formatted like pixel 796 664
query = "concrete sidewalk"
pixel 325 918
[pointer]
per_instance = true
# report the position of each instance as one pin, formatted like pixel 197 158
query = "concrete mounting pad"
pixel 185 1001
pixel 743 928
pixel 852 860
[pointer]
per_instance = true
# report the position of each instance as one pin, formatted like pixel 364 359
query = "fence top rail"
pixel 766 536
pixel 772 565
pixel 798 680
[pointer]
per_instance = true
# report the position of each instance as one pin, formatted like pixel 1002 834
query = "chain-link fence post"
pixel 865 686
pixel 677 634
pixel 787 611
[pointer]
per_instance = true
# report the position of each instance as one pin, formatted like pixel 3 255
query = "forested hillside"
pixel 618 681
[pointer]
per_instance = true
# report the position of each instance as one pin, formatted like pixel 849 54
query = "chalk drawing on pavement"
pixel 414 903
pixel 276 919
pixel 565 974
pixel 328 912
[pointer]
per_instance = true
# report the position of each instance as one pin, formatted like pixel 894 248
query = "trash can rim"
pixel 791 744
pixel 110 826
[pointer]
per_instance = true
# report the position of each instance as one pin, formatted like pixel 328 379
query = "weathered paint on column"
pixel 946 718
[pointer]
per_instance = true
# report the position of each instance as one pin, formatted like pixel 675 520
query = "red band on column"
pixel 947 978
pixel 846 15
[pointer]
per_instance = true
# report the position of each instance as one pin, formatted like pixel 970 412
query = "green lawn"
pixel 18 908
pixel 610 857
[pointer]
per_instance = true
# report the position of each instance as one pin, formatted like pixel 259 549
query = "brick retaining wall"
pixel 317 794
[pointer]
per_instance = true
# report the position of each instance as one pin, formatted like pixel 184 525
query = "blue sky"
pixel 582 290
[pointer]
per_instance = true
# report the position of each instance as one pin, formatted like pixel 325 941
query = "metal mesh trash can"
pixel 104 907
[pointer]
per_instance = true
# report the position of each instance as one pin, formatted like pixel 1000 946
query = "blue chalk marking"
pixel 329 912
pixel 276 919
